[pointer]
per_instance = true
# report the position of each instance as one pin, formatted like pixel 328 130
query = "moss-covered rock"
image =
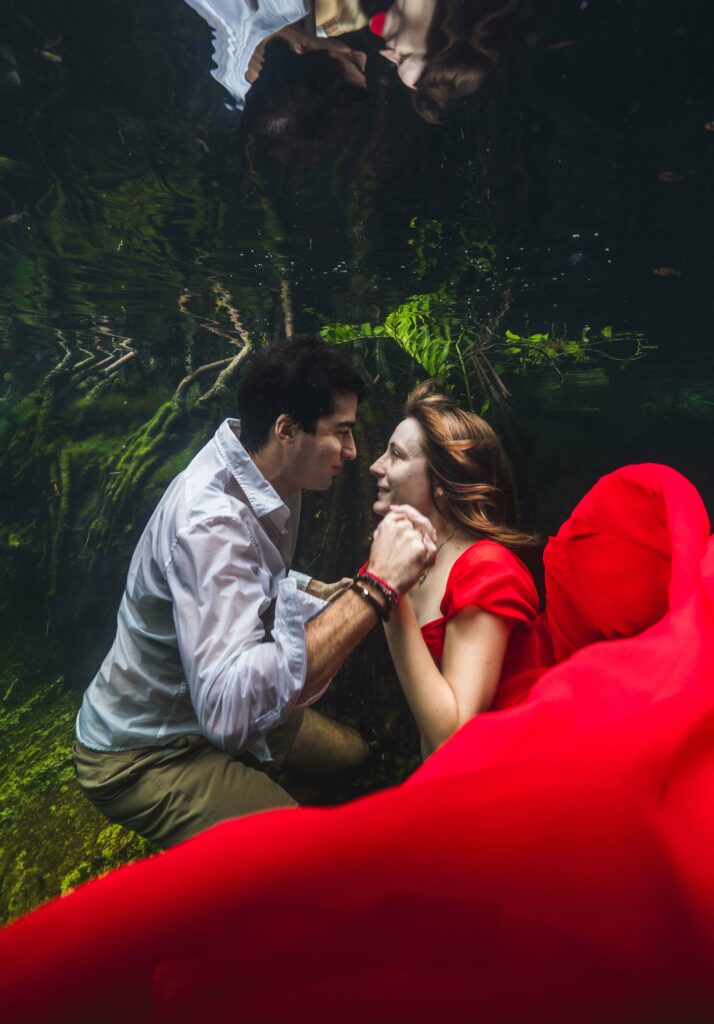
pixel 52 837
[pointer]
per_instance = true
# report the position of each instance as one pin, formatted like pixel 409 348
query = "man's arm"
pixel 399 552
pixel 240 685
pixel 333 635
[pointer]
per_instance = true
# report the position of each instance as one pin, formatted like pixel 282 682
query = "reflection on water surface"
pixel 545 251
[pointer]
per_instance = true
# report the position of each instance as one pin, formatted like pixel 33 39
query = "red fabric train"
pixel 553 861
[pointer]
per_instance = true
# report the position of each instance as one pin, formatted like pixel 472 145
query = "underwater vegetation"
pixel 51 838
pixel 471 357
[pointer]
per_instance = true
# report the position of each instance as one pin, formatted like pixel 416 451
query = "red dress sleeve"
pixel 490 577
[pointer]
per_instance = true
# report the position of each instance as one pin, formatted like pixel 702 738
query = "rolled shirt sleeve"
pixel 242 679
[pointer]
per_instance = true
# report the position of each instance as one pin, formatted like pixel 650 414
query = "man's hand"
pixel 328 591
pixel 404 545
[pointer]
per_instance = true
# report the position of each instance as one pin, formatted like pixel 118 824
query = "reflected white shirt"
pixel 195 651
pixel 239 26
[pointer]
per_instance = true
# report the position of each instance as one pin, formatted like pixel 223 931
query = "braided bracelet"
pixel 364 593
pixel 390 595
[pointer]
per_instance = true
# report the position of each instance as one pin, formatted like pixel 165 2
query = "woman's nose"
pixel 377 468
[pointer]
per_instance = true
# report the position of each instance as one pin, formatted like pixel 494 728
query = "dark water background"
pixel 139 222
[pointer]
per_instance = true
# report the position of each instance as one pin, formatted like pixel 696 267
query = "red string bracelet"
pixel 389 592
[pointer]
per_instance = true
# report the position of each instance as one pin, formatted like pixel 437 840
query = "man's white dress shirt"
pixel 211 630
pixel 239 26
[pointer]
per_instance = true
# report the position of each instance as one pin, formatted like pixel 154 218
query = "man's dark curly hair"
pixel 300 376
pixel 301 108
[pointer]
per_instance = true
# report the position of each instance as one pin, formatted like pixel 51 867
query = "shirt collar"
pixel 261 495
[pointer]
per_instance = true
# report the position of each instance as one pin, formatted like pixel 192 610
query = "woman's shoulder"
pixel 491 576
pixel 488 551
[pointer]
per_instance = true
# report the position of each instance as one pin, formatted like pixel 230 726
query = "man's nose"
pixel 349 449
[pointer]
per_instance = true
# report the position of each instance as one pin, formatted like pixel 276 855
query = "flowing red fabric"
pixel 552 862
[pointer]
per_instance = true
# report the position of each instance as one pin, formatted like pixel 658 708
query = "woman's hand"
pixel 421 523
pixel 402 548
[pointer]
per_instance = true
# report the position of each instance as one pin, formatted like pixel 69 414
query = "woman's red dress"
pixel 491 577
pixel 552 861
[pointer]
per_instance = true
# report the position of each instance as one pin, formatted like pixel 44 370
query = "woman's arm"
pixel 441 700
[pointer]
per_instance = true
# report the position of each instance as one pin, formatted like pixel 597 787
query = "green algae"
pixel 51 838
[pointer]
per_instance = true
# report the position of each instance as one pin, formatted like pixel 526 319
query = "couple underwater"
pixel 552 855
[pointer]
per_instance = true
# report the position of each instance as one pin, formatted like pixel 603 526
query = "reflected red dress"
pixel 552 861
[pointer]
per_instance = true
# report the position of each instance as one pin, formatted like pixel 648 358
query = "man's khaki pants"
pixel 170 793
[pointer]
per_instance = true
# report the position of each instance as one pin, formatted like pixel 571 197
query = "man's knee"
pixel 323 746
pixel 171 793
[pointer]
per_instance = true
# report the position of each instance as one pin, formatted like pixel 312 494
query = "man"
pixel 217 653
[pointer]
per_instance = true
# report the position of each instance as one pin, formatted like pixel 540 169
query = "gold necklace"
pixel 438 549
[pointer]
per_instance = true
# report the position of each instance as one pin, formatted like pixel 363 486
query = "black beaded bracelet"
pixel 390 596
pixel 367 596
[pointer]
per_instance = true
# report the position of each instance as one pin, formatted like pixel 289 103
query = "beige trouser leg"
pixel 323 746
pixel 168 794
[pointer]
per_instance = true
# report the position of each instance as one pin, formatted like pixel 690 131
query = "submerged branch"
pixel 225 376
pixel 180 392
pixel 286 302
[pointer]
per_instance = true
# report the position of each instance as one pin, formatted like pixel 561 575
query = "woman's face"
pixel 402 473
pixel 406 27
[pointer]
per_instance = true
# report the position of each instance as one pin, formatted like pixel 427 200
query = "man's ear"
pixel 285 429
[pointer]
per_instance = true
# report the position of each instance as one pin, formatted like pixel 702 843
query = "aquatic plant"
pixel 463 356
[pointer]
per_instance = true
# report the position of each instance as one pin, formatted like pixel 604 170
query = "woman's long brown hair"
pixel 467 462
pixel 460 53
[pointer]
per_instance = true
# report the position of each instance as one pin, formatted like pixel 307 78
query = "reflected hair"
pixel 460 54
pixel 300 107
pixel 301 376
pixel 467 461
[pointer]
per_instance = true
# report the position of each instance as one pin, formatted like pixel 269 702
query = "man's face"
pixel 320 456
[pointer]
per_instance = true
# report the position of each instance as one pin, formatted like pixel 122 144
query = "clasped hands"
pixel 404 545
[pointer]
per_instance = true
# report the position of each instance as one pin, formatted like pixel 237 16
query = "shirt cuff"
pixel 293 609
pixel 302 579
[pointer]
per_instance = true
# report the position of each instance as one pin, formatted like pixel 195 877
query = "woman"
pixel 466 625
pixel 443 49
